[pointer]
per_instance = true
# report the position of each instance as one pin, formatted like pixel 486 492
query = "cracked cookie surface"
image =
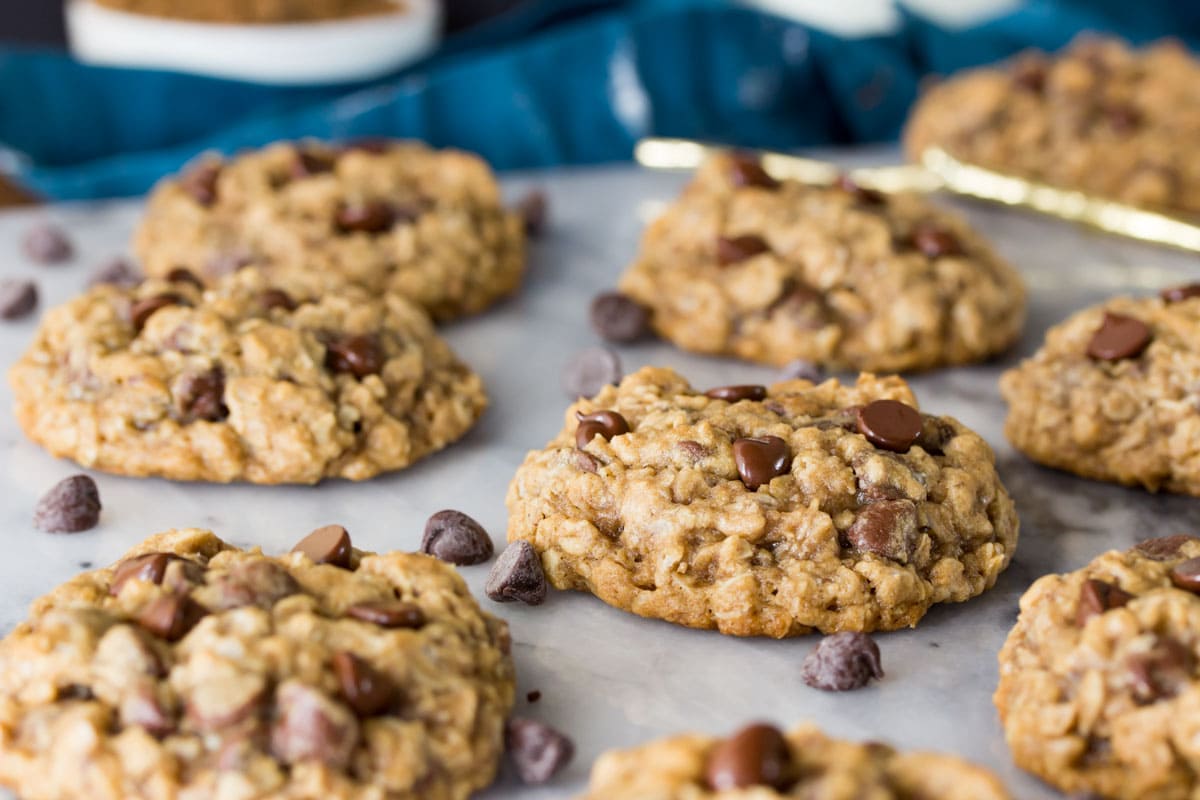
pixel 389 217
pixel 1125 415
pixel 246 381
pixel 811 766
pixel 1099 689
pixel 1098 117
pixel 772 271
pixel 192 669
pixel 644 499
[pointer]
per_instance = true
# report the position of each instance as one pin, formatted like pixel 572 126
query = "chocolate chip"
pixel 605 423
pixel 1096 597
pixel 369 216
pixel 759 459
pixel 517 575
pixel 1122 117
pixel 841 662
pixel 142 708
pixel 171 616
pixel 747 170
pixel 367 690
pixel 861 194
pixel 590 370
pixel 1165 547
pixel 454 537
pixel 375 145
pixel 252 582
pixel 534 209
pixel 329 544
pixel 310 726
pixel 936 435
pixel 585 461
pixel 731 250
pixel 18 298
pixel 533 696
pixel 71 506
pixel 276 298
pixel 616 317
pixel 1177 294
pixel 149 567
pixel 141 311
pixel 1161 672
pixel 201 182
pixel 733 394
pixel 307 163
pixel 200 396
pixel 887 528
pixel 1119 337
pixel 800 369
pixel 183 275
pixel 538 751
pixel 693 450
pixel 934 241
pixel 117 272
pixel 889 424
pixel 46 243
pixel 357 355
pixel 1030 75
pixel 757 755
pixel 388 614
pixel 1186 575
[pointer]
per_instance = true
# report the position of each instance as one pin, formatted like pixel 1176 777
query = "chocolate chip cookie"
pixel 1098 117
pixel 194 669
pixel 765 511
pixel 759 761
pixel 390 217
pixel 247 381
pixel 1099 681
pixel 1111 393
pixel 776 270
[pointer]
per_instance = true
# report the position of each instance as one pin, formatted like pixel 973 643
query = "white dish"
pixel 334 51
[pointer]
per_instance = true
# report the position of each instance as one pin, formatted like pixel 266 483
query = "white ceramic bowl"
pixel 322 52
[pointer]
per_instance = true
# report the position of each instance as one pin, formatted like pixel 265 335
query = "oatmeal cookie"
pixel 774 271
pixel 761 511
pixel 255 11
pixel 1111 393
pixel 389 217
pixel 761 762
pixel 192 669
pixel 246 381
pixel 1099 687
pixel 1098 117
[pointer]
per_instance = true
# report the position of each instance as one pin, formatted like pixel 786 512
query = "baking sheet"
pixel 608 678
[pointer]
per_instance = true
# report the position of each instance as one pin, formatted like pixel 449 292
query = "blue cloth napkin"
pixel 557 82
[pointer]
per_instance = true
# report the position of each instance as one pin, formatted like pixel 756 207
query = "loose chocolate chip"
pixel 388 614
pixel 117 272
pixel 329 544
pixel 733 394
pixel 307 163
pixel 1119 337
pixel 757 755
pixel 1186 575
pixel 1096 597
pixel 800 369
pixel 841 662
pixel 533 696
pixel 1177 294
pixel 201 182
pixel 46 243
pixel 537 750
pixel 310 726
pixel 141 311
pixel 1164 547
pixel 616 317
pixel 171 616
pixel 18 298
pixel 605 423
pixel 367 690
pixel 861 194
pixel 276 298
pixel 887 528
pixel 150 567
pixel 747 170
pixel 935 242
pixel 183 275
pixel 73 505
pixel 731 250
pixel 590 370
pixel 761 458
pixel 200 396
pixel 357 355
pixel 1161 672
pixel 369 216
pixel 534 209
pixel 889 424
pixel 517 575
pixel 454 537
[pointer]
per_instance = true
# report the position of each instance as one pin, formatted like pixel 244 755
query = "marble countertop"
pixel 608 678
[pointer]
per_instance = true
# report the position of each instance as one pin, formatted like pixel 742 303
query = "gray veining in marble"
pixel 608 678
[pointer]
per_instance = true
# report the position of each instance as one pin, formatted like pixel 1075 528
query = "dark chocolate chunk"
pixel 517 575
pixel 454 537
pixel 841 662
pixel 537 750
pixel 71 506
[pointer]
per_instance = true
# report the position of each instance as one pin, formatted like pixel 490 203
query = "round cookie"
pixel 1111 393
pixel 389 217
pixel 1099 688
pixel 760 762
pixel 1097 117
pixel 246 381
pixel 194 669
pixel 773 271
pixel 758 511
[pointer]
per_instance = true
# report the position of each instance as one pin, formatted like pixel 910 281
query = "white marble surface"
pixel 608 678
